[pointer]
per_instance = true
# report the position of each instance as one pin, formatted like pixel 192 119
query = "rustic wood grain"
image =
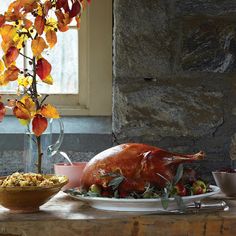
pixel 63 216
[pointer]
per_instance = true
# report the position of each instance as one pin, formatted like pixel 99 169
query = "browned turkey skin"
pixel 139 164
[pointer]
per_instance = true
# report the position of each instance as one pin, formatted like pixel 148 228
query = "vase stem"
pixel 40 155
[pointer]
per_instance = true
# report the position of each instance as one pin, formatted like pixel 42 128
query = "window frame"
pixel 95 65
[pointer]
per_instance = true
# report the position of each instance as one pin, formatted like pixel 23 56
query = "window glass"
pixel 64 59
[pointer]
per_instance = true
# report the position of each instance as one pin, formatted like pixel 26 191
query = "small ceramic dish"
pixel 28 199
pixel 73 172
pixel 226 181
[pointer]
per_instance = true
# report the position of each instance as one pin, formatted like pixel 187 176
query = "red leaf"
pixel 39 24
pixel 63 4
pixel 2 20
pixel 2 111
pixel 75 10
pixel 43 68
pixel 11 55
pixel 39 125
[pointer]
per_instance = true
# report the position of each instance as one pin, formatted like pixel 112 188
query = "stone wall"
pixel 174 76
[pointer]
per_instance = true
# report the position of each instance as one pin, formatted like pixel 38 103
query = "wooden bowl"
pixel 29 198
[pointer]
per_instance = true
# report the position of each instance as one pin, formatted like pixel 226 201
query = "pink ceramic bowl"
pixel 73 172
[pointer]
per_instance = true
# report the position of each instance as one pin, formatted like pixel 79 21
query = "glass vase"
pixel 49 149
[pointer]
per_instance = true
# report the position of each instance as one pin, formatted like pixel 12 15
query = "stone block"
pixel 205 7
pixel 150 111
pixel 209 46
pixel 142 42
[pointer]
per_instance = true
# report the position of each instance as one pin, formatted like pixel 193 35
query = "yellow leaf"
pixel 38 45
pixel 49 111
pixel 18 24
pixel 51 24
pixel 24 122
pixel 1 66
pixel 24 81
pixel 3 82
pixel 7 32
pixel 40 10
pixel 19 40
pixel 48 80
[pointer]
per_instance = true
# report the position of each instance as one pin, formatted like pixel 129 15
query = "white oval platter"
pixel 150 205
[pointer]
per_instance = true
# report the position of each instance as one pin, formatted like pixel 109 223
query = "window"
pixel 82 67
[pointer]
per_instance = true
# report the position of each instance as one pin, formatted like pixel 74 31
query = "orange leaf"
pixel 27 23
pixel 7 32
pixel 59 15
pixel 11 55
pixel 38 45
pixel 63 20
pixel 51 37
pixel 29 103
pixel 78 20
pixel 2 20
pixel 47 7
pixel 67 20
pixel 62 27
pixel 6 45
pixel 15 6
pixel 21 112
pixel 49 111
pixel 29 5
pixel 2 111
pixel 43 68
pixel 39 24
pixel 11 74
pixel 39 124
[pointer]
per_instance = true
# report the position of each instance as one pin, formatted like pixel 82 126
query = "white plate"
pixel 124 204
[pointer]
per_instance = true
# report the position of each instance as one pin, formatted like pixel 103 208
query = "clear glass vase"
pixel 49 149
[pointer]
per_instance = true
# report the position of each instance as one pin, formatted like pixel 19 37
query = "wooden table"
pixel 64 216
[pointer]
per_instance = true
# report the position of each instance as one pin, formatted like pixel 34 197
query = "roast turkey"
pixel 138 164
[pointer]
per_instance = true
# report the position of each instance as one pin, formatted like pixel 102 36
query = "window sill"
pixel 82 134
